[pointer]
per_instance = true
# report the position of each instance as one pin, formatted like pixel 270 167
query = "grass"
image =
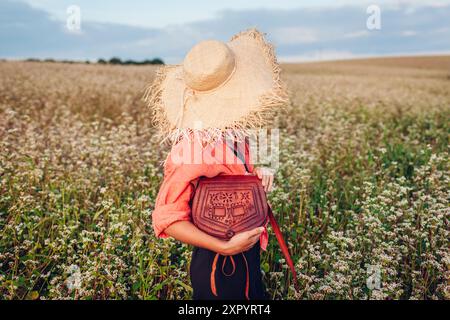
pixel 363 182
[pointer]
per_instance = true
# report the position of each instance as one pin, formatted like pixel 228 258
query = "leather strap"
pixel 283 246
pixel 247 281
pixel 272 220
pixel 237 153
pixel 232 263
pixel 213 273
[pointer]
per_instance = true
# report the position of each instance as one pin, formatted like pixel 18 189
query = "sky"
pixel 300 30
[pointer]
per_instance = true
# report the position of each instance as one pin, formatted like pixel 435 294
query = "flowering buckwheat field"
pixel 362 192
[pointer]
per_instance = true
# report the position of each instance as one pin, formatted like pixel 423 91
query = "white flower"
pixel 73 282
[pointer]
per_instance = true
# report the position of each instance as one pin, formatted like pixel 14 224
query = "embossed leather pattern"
pixel 228 204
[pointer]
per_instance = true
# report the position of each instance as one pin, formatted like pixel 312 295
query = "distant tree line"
pixel 113 60
pixel 116 60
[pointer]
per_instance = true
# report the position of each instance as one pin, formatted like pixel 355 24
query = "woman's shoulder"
pixel 185 153
pixel 193 155
pixel 180 153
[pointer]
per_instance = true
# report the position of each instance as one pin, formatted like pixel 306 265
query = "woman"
pixel 207 107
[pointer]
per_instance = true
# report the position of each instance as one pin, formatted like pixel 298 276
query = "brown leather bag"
pixel 229 204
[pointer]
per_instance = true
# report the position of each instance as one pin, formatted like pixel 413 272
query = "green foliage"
pixel 132 62
pixel 113 60
pixel 363 181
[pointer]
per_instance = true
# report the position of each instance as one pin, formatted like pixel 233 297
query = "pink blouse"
pixel 187 162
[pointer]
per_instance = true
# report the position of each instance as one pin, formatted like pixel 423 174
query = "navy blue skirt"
pixel 236 277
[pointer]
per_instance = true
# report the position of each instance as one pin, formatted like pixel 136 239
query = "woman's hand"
pixel 241 242
pixel 187 232
pixel 266 175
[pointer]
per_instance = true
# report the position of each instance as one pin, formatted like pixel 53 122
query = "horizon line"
pixel 281 59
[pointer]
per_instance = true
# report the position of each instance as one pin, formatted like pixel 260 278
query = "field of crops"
pixel 362 192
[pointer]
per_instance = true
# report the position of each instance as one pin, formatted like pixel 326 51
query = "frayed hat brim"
pixel 221 112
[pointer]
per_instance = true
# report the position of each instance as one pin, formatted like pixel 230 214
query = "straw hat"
pixel 220 88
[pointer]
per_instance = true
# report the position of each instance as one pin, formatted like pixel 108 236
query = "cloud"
pixel 409 33
pixel 357 34
pixel 302 34
pixel 29 32
pixel 318 56
pixel 294 35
